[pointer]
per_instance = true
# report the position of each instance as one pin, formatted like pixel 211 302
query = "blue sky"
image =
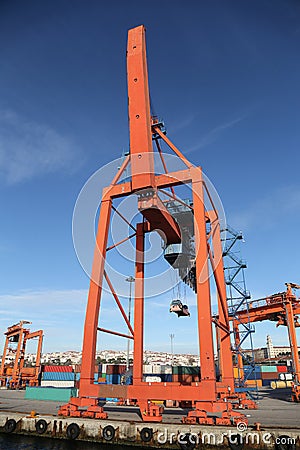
pixel 224 75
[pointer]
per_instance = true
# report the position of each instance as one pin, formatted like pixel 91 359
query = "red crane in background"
pixel 282 308
pixel 197 221
pixel 15 375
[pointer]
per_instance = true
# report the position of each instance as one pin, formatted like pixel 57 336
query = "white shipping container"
pixel 167 369
pixel 156 369
pixel 286 376
pixel 55 383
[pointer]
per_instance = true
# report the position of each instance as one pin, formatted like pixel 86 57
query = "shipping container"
pixel 58 376
pixel 48 393
pixel 238 373
pixel 115 369
pixel 113 379
pixel 286 376
pixel 281 369
pixel 268 368
pixel 156 369
pixel 186 370
pixel 54 383
pixel 185 378
pixel 269 376
pixel 253 383
pixel 167 369
pixel 256 369
pixel 57 369
pixel 166 377
pixel 78 368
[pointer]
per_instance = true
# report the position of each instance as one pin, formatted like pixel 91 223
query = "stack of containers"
pixel 166 374
pixel 252 376
pixel 97 374
pixel 102 373
pixel 58 376
pixel 152 373
pixel 238 373
pixel 281 369
pixel 268 374
pixel 186 374
pixel 114 372
pixel 283 373
pixel 252 373
pixel 285 376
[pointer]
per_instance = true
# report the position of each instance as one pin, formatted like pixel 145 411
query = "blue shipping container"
pixel 113 379
pixel 166 377
pixel 58 376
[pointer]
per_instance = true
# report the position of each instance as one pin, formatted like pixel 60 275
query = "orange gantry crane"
pixel 13 374
pixel 185 224
pixel 282 308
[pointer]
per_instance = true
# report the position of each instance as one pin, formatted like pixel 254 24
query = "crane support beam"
pixel 141 151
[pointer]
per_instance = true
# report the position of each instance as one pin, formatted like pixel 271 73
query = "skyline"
pixel 223 76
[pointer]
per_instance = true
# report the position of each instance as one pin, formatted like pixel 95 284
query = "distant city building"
pixel 270 351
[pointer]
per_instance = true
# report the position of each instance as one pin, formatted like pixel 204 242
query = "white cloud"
pixel 181 124
pixel 214 134
pixel 30 149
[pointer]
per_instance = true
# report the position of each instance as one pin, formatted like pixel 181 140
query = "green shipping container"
pixel 268 368
pixel 185 370
pixel 50 393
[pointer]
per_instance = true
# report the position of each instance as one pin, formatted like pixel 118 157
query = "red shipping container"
pixel 269 376
pixel 58 369
pixel 77 368
pixel 282 369
pixel 185 378
pixel 115 369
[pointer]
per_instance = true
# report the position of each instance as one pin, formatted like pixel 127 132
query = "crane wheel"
pixel 146 434
pixel 284 442
pixel 73 431
pixel 10 426
pixel 41 426
pixel 108 433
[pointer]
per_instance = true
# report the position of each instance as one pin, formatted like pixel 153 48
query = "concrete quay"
pixel 124 427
